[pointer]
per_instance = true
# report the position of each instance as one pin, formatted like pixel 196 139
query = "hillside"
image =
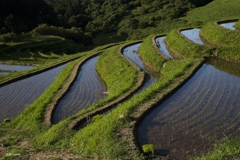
pixel 108 128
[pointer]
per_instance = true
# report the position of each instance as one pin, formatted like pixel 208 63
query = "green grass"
pixel 224 150
pixel 150 54
pixel 116 72
pixel 237 25
pixel 183 48
pixel 226 41
pixel 220 36
pixel 214 11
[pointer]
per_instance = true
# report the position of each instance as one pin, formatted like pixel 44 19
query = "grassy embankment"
pixel 181 47
pixel 225 40
pixel 150 54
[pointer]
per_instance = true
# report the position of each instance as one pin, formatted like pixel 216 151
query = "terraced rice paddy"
pixel 204 110
pixel 86 90
pixel 132 53
pixel 193 35
pixel 229 25
pixel 15 96
pixel 160 41
pixel 7 69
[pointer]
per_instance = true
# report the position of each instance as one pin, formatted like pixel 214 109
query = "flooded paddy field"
pixel 15 96
pixel 86 90
pixel 193 35
pixel 132 53
pixel 160 41
pixel 202 111
pixel 7 68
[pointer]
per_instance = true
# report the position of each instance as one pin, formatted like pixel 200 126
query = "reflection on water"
pixel 86 90
pixel 228 25
pixel 15 96
pixel 162 46
pixel 132 53
pixel 193 35
pixel 8 67
pixel 202 111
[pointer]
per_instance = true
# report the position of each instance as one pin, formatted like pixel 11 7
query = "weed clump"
pixel 97 117
pixel 6 120
pixel 148 149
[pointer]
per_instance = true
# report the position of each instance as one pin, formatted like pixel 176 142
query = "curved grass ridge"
pixel 226 41
pixel 181 47
pixel 151 54
pixel 107 67
pixel 64 89
pixel 220 36
pixel 109 143
pixel 33 115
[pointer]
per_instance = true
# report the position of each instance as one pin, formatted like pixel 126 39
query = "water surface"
pixel 9 67
pixel 193 35
pixel 132 53
pixel 162 46
pixel 15 96
pixel 228 25
pixel 203 110
pixel 86 90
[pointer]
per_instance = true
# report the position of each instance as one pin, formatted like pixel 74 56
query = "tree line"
pixel 90 16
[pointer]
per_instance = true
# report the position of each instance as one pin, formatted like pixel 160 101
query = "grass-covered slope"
pixel 220 36
pixel 214 11
pixel 150 54
pixel 181 47
pixel 225 40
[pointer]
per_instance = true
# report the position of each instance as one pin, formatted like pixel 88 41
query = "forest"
pixel 89 17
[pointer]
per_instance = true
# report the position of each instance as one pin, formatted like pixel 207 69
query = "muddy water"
pixel 86 90
pixel 15 96
pixel 160 41
pixel 193 35
pixel 204 110
pixel 132 53
pixel 229 25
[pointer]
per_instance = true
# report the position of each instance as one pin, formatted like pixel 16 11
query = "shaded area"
pixel 228 25
pixel 86 90
pixel 15 96
pixel 162 46
pixel 193 35
pixel 202 111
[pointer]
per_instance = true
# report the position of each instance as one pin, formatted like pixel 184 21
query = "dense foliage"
pixel 91 16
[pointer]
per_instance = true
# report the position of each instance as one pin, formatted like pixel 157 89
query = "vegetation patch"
pixel 225 41
pixel 184 48
pixel 219 36
pixel 237 25
pixel 148 149
pixel 150 53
